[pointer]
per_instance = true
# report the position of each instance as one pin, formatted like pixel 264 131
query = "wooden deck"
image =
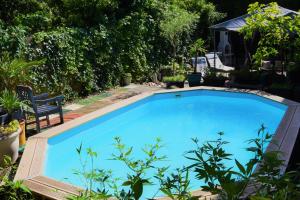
pixel 32 163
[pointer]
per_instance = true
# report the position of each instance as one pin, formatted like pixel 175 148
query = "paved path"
pixel 75 110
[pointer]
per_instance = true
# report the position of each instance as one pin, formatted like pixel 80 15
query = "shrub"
pixel 245 76
pixel 212 78
pixel 34 22
pixel 66 69
pixel 166 70
pixel 293 73
pixel 88 45
pixel 177 78
pixel 104 57
pixel 12 190
pixel 282 86
pixel 13 39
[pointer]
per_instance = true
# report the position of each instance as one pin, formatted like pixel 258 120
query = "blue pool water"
pixel 172 118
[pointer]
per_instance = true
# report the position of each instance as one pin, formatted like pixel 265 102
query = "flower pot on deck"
pixel 194 79
pixel 9 145
pixel 4 118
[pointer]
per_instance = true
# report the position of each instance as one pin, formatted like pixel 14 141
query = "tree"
pixel 272 27
pixel 207 12
pixel 176 23
pixel 196 48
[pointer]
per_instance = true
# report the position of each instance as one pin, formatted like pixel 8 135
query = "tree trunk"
pixel 174 58
pixel 196 62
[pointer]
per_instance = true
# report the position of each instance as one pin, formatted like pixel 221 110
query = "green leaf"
pixel 137 189
pixel 240 166
pixel 127 183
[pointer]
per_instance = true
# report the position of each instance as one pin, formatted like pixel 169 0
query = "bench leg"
pixel 38 127
pixel 61 115
pixel 48 120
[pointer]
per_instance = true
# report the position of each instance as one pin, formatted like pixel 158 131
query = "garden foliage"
pixel 89 45
pixel 12 190
pixel 275 31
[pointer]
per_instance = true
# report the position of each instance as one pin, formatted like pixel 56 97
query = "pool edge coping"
pixel 32 162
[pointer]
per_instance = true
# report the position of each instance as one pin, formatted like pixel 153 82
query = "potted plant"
pixel 194 79
pixel 198 48
pixel 211 78
pixel 247 77
pixel 12 109
pixel 9 140
pixel 11 105
pixel 177 80
pixel 126 79
pixel 166 70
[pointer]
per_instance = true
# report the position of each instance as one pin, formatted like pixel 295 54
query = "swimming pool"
pixel 175 118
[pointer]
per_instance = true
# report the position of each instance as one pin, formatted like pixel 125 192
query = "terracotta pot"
pixel 22 136
pixel 9 145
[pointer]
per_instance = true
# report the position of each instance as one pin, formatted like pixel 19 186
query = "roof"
pixel 236 23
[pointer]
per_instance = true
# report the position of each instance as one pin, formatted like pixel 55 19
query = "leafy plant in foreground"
pixel 90 176
pixel 262 171
pixel 99 183
pixel 209 166
pixel 12 190
pixel 137 180
pixel 177 185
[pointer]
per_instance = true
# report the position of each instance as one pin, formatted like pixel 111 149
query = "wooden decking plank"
pixel 38 158
pixel 90 116
pixel 56 184
pixel 45 191
pixel 26 160
pixel 288 143
pixel 289 119
pixel 284 126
